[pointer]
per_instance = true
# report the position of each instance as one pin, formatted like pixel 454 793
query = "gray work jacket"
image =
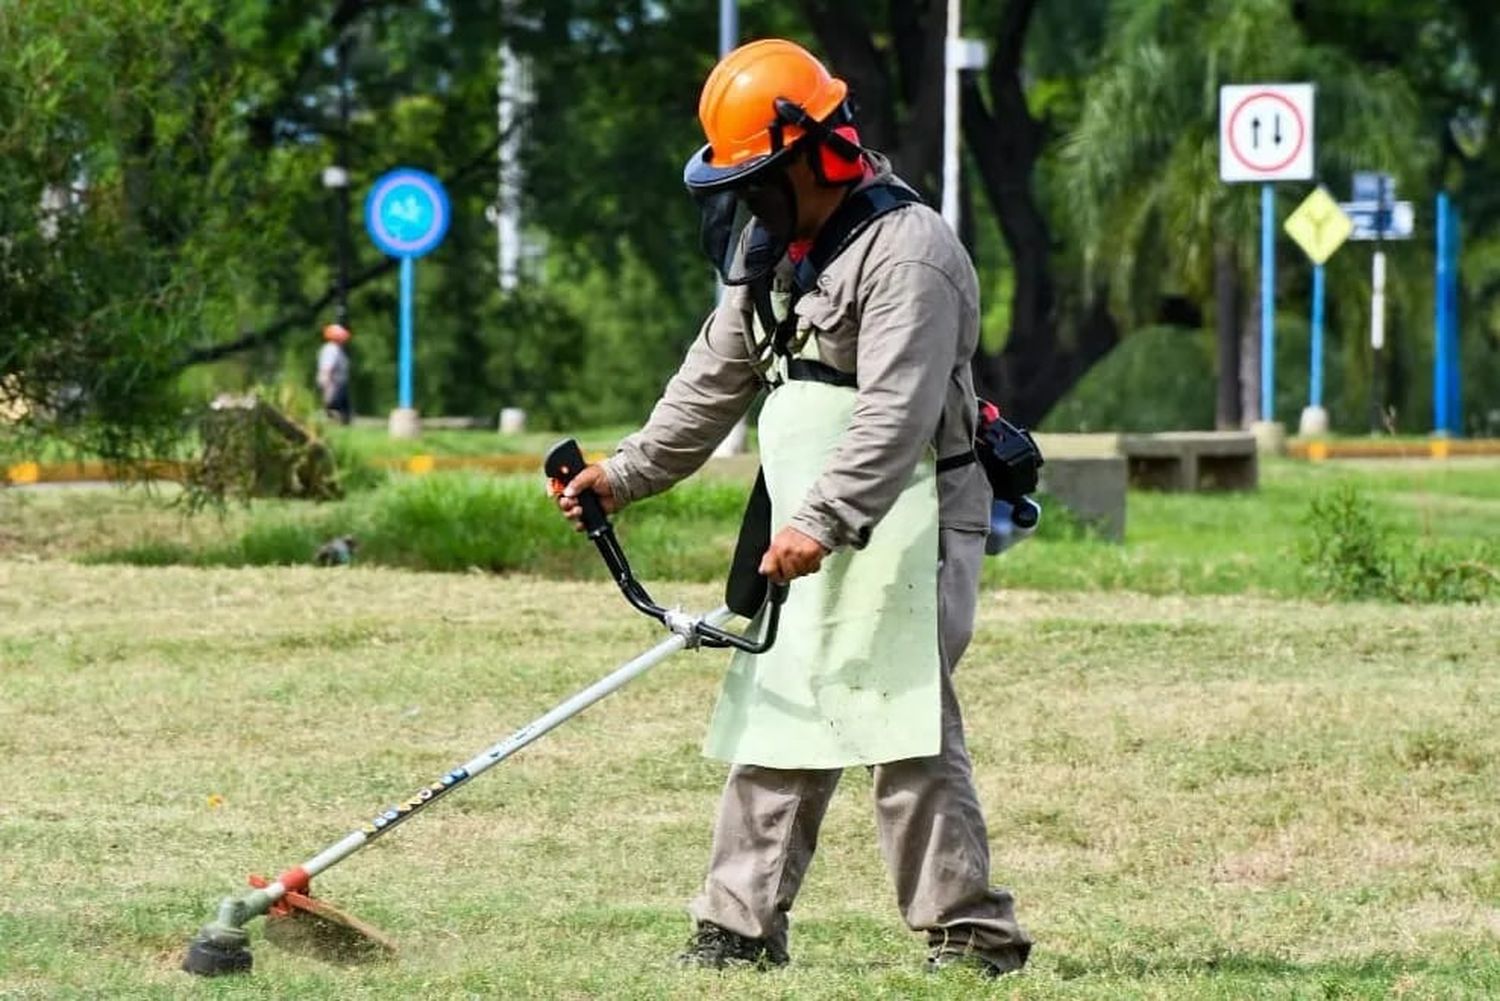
pixel 899 307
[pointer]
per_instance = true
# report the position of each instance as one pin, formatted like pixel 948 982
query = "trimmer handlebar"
pixel 563 462
pixel 566 461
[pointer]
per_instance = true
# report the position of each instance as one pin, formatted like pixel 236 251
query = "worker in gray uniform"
pixel 857 307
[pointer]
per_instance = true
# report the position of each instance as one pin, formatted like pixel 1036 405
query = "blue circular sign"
pixel 407 213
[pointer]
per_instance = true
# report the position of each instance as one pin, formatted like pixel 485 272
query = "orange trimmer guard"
pixel 310 926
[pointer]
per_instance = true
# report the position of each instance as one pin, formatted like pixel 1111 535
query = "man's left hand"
pixel 792 554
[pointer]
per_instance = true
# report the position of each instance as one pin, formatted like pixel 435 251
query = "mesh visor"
pixel 745 232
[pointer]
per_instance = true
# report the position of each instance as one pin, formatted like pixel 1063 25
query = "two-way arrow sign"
pixel 1266 132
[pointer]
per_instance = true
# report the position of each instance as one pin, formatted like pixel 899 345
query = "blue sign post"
pixel 407 214
pixel 1267 302
pixel 1446 419
pixel 1315 393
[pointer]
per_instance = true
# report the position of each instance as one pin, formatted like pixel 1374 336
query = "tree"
pixel 895 74
pixel 113 121
pixel 1144 159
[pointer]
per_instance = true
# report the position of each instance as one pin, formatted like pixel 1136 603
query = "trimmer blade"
pixel 316 928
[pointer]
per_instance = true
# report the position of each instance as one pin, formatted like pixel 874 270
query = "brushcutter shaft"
pixel 497 753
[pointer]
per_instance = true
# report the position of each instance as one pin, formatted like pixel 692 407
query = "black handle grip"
pixel 564 461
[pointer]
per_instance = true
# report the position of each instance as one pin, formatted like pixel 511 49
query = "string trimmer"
pixel 296 918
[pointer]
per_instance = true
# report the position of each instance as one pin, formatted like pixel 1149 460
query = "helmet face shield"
pixel 722 218
pixel 765 105
pixel 745 231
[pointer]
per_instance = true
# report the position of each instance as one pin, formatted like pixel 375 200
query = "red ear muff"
pixel 837 168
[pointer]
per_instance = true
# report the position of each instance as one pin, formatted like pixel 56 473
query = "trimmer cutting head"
pixel 209 957
pixel 316 928
pixel 298 922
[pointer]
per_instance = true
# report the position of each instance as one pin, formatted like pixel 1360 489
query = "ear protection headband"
pixel 836 155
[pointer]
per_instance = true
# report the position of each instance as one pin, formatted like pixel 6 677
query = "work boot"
pixel 716 948
pixel 947 954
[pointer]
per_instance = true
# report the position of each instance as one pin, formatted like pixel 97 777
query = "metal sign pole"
pixel 408 268
pixel 734 443
pixel 729 26
pixel 1377 310
pixel 1455 388
pixel 1267 302
pixel 1315 391
pixel 950 118
pixel 1440 362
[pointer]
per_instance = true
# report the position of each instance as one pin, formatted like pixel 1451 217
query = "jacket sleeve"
pixel 713 388
pixel 908 335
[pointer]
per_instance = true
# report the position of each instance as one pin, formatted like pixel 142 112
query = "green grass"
pixel 1191 797
pixel 375 443
pixel 1231 543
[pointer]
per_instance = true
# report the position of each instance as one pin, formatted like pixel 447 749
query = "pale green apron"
pixel 854 676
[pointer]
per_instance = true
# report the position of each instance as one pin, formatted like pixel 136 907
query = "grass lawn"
pixel 1192 797
pixel 1232 543
pixel 376 443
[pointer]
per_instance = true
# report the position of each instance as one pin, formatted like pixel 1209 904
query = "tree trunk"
pixel 1037 366
pixel 1227 411
pixel 1250 361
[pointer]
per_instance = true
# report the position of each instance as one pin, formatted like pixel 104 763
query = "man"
pixel 857 307
pixel 333 372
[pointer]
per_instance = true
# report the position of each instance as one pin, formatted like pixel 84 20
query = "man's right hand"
pixel 591 478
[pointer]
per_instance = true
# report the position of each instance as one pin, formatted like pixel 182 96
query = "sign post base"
pixel 1314 422
pixel 405 423
pixel 1270 437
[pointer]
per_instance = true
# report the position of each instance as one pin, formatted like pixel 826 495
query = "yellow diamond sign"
pixel 1319 226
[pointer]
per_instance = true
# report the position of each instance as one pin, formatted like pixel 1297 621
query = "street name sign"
pixel 1397 222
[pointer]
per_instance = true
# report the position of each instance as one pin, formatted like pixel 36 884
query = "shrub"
pixel 1348 553
pixel 1352 554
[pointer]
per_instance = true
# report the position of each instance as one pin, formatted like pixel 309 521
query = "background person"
pixel 333 373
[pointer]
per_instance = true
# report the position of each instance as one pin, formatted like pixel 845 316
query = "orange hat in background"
pixel 337 333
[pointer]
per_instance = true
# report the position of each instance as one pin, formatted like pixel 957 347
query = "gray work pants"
pixel 932 831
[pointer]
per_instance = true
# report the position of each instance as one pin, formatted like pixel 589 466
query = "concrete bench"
pixel 1091 487
pixel 1191 460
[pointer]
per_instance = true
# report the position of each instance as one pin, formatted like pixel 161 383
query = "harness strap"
pixel 958 461
pixel 857 211
pixel 811 370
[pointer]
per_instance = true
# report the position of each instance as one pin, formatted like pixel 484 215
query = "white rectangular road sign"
pixel 1400 220
pixel 1266 132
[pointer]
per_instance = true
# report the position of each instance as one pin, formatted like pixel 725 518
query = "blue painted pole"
pixel 1267 303
pixel 1440 362
pixel 1455 391
pixel 404 394
pixel 1315 395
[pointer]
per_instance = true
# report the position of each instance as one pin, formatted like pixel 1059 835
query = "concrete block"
pixel 512 420
pixel 1091 487
pixel 1192 460
pixel 405 423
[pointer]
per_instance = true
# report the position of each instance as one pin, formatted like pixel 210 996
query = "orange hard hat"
pixel 336 332
pixel 758 102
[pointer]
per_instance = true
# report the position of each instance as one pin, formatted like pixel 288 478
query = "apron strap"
pixel 745 591
pixel 812 370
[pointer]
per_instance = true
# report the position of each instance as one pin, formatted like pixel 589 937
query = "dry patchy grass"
pixel 1191 797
